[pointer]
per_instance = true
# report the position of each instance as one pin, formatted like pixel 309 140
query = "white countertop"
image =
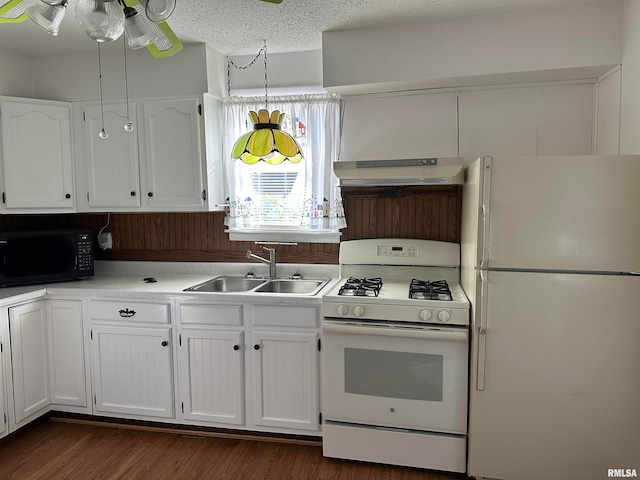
pixel 126 279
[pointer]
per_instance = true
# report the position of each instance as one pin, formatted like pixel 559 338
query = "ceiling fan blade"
pixel 273 1
pixel 166 42
pixel 14 11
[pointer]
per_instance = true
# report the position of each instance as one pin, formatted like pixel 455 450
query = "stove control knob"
pixel 444 316
pixel 358 311
pixel 342 310
pixel 425 315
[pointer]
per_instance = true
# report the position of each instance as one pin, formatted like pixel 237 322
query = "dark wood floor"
pixel 61 450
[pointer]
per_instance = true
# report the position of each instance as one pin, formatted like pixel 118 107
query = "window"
pixel 289 201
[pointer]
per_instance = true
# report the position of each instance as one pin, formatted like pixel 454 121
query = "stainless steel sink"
pixel 227 284
pixel 300 287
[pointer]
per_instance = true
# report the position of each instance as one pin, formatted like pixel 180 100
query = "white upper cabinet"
pixel 160 166
pixel 526 121
pixel 400 126
pixel 173 154
pixel 37 162
pixel 111 164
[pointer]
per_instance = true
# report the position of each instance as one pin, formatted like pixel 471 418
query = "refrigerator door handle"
pixel 482 331
pixel 486 210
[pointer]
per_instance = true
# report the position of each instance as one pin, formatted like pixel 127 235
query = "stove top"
pixel 429 290
pixel 398 280
pixel 361 287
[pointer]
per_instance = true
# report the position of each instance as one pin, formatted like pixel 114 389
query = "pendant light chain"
pixel 103 134
pixel 266 97
pixel 231 63
pixel 129 125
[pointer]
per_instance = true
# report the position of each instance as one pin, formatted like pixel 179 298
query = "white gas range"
pixel 395 355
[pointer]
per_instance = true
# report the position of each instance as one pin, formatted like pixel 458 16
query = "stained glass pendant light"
pixel 267 142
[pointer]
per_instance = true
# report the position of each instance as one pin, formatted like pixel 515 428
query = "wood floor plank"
pixel 76 451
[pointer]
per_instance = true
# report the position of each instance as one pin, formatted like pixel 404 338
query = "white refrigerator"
pixel 550 262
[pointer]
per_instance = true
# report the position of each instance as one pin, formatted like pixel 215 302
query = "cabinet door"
pixel 286 379
pixel 36 153
pixel 4 360
pixel 132 371
pixel 173 154
pixel 29 359
pixel 212 376
pixel 112 169
pixel 66 353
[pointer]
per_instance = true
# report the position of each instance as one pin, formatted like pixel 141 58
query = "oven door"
pixel 403 376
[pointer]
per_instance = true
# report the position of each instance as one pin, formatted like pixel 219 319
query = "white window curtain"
pixel 289 201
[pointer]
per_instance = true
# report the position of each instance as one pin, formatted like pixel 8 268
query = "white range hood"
pixel 415 171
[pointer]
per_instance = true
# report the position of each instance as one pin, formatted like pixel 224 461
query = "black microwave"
pixel 45 256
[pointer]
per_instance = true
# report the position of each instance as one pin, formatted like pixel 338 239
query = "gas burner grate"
pixel 361 287
pixel 429 290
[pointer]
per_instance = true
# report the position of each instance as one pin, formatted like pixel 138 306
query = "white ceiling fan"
pixel 105 20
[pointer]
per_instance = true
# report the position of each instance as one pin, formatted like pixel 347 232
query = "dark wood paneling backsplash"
pixel 424 212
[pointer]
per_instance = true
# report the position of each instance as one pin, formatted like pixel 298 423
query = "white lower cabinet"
pixel 4 350
pixel 132 361
pixel 29 361
pixel 269 383
pixel 68 375
pixel 285 367
pixel 212 376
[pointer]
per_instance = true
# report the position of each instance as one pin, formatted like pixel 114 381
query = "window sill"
pixel 320 236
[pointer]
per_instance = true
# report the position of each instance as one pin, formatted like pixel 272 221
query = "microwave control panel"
pixel 85 254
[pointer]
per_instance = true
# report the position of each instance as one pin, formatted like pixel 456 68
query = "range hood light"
pixel 415 171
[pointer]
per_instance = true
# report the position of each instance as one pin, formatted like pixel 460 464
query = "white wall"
pixel 522 46
pixel 630 96
pixel 216 73
pixel 287 73
pixel 15 75
pixel 75 77
pixel 607 139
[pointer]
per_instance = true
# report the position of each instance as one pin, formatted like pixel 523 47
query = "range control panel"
pixel 397 250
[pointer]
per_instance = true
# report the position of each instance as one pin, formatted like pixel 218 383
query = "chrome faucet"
pixel 271 261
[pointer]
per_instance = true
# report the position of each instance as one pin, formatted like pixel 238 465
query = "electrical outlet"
pixel 105 241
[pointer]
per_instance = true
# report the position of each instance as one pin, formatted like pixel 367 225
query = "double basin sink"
pixel 259 285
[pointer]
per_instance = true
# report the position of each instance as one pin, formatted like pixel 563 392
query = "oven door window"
pixel 402 375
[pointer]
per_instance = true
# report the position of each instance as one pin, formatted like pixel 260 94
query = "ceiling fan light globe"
pixel 159 10
pixel 47 16
pixel 102 20
pixel 137 32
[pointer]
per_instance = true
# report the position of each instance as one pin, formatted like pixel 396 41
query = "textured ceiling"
pixel 238 27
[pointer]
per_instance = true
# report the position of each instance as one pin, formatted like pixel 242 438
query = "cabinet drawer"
pixel 278 316
pixel 127 311
pixel 211 314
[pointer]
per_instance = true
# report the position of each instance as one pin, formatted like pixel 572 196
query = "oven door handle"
pixel 384 331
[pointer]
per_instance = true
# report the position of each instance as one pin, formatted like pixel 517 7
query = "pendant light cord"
pixel 103 134
pixel 128 126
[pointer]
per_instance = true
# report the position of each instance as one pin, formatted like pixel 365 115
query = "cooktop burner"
pixel 429 290
pixel 361 287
